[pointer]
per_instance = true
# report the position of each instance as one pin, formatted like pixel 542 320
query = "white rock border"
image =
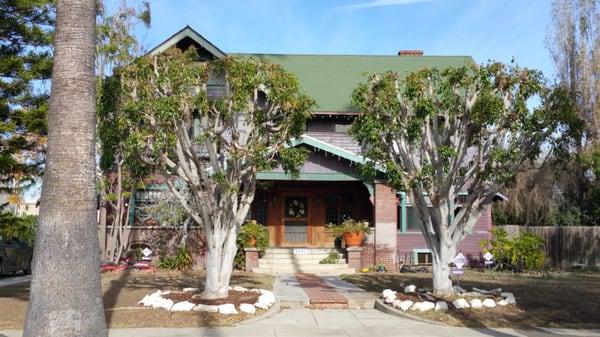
pixel 390 298
pixel 266 299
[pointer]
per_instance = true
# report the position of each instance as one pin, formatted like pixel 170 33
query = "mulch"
pixel 235 297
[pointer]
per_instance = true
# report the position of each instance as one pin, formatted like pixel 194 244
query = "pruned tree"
pixel 213 125
pixel 438 132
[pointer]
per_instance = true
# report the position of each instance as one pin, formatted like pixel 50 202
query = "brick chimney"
pixel 407 52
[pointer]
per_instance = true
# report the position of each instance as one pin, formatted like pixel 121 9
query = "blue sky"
pixel 484 29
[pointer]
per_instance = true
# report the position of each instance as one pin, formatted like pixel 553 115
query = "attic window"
pixel 261 99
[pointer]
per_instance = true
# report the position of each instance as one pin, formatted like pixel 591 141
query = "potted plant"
pixel 352 231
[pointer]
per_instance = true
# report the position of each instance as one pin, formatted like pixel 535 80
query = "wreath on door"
pixel 296 209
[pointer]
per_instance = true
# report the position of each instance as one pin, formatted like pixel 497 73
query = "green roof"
pixel 330 79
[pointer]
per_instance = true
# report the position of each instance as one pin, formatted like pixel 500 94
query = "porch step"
pixel 300 260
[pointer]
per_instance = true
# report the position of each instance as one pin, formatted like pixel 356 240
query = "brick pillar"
pixel 251 258
pixel 355 257
pixel 386 217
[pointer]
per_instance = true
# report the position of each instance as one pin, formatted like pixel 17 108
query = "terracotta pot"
pixel 354 239
pixel 252 242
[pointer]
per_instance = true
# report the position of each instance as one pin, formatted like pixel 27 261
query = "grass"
pixel 559 299
pixel 122 291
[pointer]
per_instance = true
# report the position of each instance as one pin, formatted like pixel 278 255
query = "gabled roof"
pixel 328 79
pixel 328 147
pixel 188 32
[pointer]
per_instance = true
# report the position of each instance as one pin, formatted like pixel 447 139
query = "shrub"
pixel 332 258
pixel 524 252
pixel 182 259
pixel 21 228
pixel 248 232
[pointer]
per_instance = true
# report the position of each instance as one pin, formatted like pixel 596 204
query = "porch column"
pixel 354 257
pixel 386 218
pixel 251 258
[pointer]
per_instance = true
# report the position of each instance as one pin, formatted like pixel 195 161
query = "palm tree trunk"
pixel 66 297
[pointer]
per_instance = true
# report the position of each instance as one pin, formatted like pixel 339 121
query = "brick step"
pixel 291 250
pixel 283 263
pixel 291 270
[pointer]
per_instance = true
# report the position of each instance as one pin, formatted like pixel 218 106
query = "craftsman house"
pixel 330 187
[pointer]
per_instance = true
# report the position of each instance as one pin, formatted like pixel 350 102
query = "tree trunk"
pixel 219 263
pixel 442 256
pixel 66 298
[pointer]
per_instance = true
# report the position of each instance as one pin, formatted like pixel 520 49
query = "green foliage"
pixel 25 66
pixel 180 260
pixel 332 258
pixel 349 226
pixel 442 112
pixel 524 252
pixel 18 227
pixel 250 231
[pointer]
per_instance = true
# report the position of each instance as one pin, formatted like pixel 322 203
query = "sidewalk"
pixel 9 281
pixel 336 323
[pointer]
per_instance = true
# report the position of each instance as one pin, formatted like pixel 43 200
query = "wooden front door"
pixel 296 220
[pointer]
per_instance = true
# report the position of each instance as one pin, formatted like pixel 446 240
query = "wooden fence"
pixel 568 245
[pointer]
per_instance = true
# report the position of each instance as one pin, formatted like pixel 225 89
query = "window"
pixel 338 208
pixel 423 258
pixel 258 211
pixel 412 220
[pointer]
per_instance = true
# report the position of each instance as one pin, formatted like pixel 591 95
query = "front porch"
pixel 297 212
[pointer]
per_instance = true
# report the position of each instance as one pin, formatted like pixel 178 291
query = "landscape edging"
pixel 379 305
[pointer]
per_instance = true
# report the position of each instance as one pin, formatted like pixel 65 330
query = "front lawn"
pixel 122 291
pixel 566 300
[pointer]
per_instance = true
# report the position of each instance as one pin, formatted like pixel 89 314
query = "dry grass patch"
pixel 565 300
pixel 122 292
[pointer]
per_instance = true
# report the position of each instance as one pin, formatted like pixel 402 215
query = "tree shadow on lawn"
pixel 18 291
pixel 566 302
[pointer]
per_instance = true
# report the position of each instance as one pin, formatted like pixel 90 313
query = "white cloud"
pixel 381 3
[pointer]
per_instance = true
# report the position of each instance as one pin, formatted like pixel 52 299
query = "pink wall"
pixel 470 245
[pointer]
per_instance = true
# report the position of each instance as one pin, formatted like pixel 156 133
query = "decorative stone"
pixel 476 303
pixel 191 290
pixel 405 305
pixel 389 299
pixel 423 306
pixel 409 289
pixel 148 300
pixel 162 303
pixel 239 288
pixel 183 306
pixel 396 303
pixel 255 290
pixel 387 293
pixel 207 308
pixel 460 303
pixel 247 308
pixel 489 303
pixel 262 305
pixel 502 302
pixel 227 309
pixel 268 298
pixel 441 306
pixel 509 297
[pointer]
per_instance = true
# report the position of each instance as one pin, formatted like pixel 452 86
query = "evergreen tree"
pixel 26 28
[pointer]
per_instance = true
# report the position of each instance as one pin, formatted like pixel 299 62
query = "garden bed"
pixel 122 292
pixel 557 299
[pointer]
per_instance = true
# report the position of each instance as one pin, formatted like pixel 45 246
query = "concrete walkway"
pixel 336 323
pixel 6 281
